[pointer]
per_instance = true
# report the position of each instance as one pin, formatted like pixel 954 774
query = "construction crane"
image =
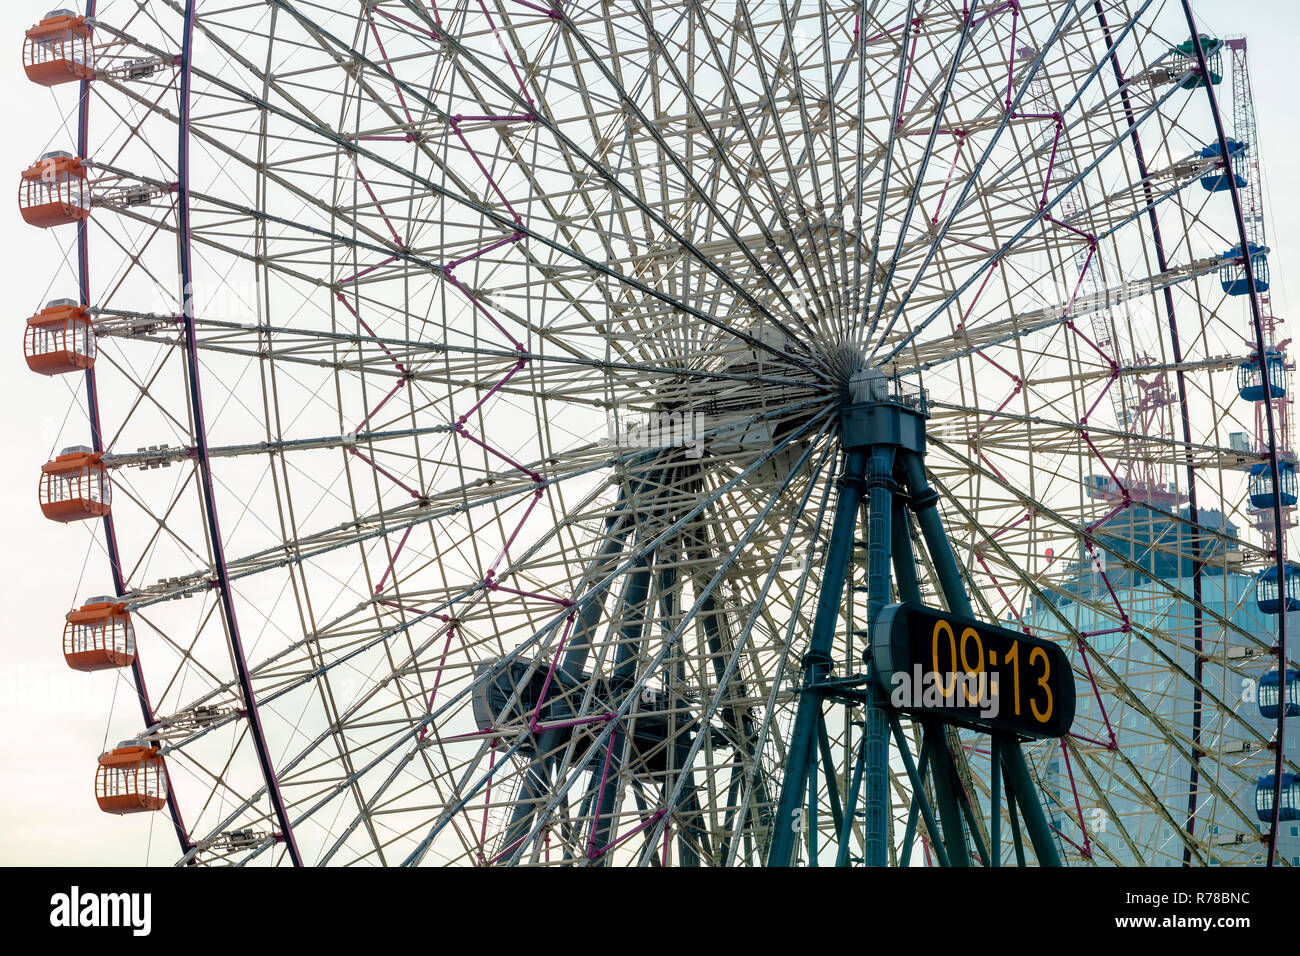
pixel 1247 166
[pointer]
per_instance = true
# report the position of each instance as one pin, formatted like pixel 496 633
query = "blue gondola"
pixel 1217 181
pixel 1268 696
pixel 1232 276
pixel 1250 377
pixel 1267 592
pixel 1261 484
pixel 1290 803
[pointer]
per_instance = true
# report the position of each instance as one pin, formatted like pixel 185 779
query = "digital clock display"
pixel 971 673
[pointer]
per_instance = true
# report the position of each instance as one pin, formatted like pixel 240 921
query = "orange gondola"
pixel 60 338
pixel 131 779
pixel 54 191
pixel 99 635
pixel 58 49
pixel 75 486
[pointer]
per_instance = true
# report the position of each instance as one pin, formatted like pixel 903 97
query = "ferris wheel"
pixel 532 432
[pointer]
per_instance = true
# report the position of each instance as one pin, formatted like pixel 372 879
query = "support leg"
pixel 924 500
pixel 817 661
pixel 880 501
pixel 1021 785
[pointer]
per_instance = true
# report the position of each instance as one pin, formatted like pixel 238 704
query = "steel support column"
pixel 924 501
pixel 817 660
pixel 880 504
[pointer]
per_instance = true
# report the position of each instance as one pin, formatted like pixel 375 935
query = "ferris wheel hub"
pixel 868 385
